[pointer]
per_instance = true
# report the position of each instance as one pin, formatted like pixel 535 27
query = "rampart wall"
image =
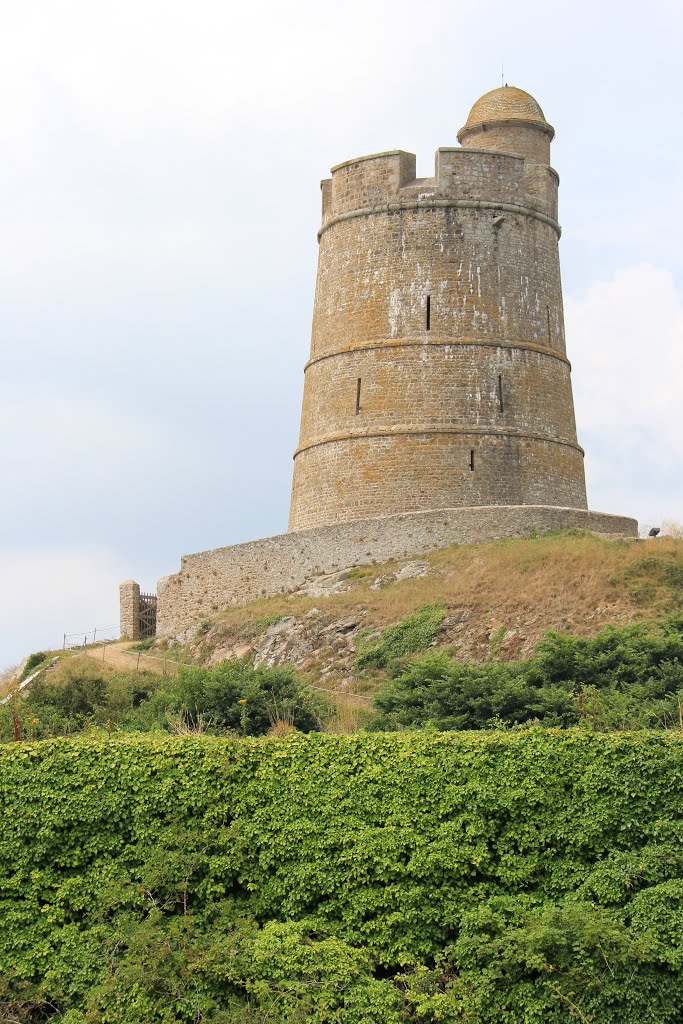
pixel 233 575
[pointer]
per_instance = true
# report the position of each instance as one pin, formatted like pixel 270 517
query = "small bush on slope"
pixel 32 663
pixel 413 633
pixel 234 695
pixel 624 677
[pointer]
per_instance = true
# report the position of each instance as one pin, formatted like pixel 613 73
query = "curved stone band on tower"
pixel 438 376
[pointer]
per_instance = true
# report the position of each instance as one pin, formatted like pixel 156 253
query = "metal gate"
pixel 148 615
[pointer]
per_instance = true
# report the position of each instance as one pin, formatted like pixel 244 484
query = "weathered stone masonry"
pixel 129 604
pixel 438 375
pixel 437 401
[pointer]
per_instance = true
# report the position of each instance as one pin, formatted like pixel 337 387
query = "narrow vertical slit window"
pixel 500 391
pixel 547 309
pixel 472 459
pixel 429 312
pixel 358 384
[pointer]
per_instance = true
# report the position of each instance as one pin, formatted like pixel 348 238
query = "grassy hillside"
pixel 499 598
pixel 362 636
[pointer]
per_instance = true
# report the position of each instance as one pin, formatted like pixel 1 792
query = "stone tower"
pixel 437 403
pixel 438 376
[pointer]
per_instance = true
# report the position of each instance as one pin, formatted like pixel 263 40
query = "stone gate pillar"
pixel 129 598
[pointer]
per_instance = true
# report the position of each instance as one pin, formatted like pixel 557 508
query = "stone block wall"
pixel 527 140
pixel 129 603
pixel 431 468
pixel 215 579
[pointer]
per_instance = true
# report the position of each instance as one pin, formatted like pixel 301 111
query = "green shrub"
pixel 413 633
pixel 616 656
pixel 450 694
pixel 80 696
pixel 571 961
pixel 76 697
pixel 622 678
pixel 233 695
pixel 32 663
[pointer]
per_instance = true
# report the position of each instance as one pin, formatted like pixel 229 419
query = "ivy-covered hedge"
pixel 481 877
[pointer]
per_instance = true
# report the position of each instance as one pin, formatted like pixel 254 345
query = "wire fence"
pixel 90 636
pixel 340 693
pixel 165 662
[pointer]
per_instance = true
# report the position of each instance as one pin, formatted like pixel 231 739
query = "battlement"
pixel 367 181
pixel 460 174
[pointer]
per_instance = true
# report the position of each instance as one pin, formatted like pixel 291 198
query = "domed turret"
pixel 508 120
pixel 506 104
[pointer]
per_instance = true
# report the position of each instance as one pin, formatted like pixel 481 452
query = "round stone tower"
pixel 438 375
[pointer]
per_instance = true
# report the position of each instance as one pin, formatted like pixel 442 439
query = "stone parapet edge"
pixel 396 516
pixel 438 204
pixel 370 156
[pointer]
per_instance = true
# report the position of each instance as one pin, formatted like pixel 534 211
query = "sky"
pixel 159 202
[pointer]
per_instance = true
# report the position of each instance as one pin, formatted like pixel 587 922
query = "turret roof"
pixel 506 103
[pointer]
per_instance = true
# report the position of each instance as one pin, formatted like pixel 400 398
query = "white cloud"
pixel 45 593
pixel 625 339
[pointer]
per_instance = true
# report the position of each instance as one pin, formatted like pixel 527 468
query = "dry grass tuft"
pixel 81 666
pixel 349 713
pixel 186 724
pixel 282 728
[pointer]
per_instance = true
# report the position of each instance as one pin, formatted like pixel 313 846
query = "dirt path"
pixel 118 655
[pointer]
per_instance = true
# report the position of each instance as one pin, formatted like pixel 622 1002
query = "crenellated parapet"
pixel 463 179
